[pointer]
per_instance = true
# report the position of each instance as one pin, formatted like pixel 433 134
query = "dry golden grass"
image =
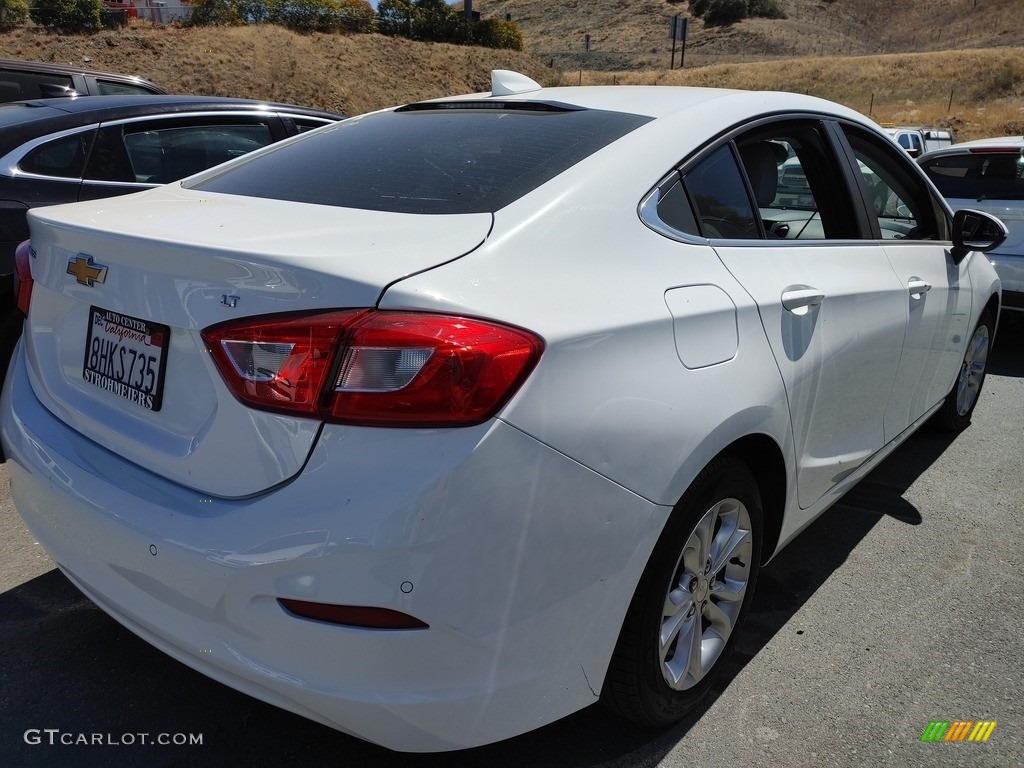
pixel 359 73
pixel 627 34
pixel 350 74
pixel 977 93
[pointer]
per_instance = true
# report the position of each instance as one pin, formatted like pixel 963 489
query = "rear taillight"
pixel 375 368
pixel 23 277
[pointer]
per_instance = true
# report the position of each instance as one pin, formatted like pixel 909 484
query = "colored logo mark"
pixel 958 730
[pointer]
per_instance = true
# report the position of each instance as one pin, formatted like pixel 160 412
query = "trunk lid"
pixel 138 278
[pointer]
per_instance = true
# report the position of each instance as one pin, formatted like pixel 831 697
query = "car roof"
pixel 659 101
pixel 996 143
pixel 46 66
pixel 1011 142
pixel 49 67
pixel 22 121
pixel 115 107
pixel 28 118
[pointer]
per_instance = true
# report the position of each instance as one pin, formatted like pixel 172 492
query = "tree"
pixel 438 22
pixel 13 13
pixel 355 16
pixel 395 17
pixel 254 11
pixel 69 15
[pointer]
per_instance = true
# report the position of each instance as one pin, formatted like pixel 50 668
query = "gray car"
pixel 42 80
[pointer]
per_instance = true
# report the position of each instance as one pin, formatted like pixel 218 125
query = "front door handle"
pixel 800 298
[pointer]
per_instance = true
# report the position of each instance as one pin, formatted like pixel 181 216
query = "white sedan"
pixel 446 421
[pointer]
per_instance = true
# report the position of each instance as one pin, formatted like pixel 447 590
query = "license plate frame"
pixel 120 359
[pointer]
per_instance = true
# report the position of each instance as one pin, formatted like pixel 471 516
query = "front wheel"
pixel 691 600
pixel 955 414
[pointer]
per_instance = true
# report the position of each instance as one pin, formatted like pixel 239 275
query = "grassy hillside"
pixel 350 74
pixel 628 34
pixel 977 92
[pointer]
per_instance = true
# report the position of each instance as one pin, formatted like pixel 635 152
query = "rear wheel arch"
pixel 742 490
pixel 764 458
pixel 992 307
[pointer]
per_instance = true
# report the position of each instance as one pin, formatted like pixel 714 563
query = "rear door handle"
pixel 918 287
pixel 800 298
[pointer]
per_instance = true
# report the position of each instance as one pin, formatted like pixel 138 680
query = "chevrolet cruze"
pixel 440 423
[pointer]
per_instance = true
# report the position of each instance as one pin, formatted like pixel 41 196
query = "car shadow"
pixel 66 665
pixel 1008 351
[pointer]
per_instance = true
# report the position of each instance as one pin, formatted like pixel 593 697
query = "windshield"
pixel 437 158
pixel 978 175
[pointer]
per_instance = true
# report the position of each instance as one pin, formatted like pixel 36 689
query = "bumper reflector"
pixel 365 617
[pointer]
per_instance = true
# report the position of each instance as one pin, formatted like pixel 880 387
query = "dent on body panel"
pixel 704 325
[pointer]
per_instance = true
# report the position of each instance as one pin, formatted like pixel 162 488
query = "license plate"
pixel 126 357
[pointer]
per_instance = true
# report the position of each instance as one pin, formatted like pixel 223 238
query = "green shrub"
pixel 13 13
pixel 497 33
pixel 768 9
pixel 699 7
pixel 215 13
pixel 721 13
pixel 68 15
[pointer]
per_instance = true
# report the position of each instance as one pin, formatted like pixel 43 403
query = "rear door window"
pixel 159 155
pixel 781 181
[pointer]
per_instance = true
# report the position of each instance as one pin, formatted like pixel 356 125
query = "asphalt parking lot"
pixel 902 605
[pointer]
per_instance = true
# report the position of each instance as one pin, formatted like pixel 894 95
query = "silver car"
pixel 986 175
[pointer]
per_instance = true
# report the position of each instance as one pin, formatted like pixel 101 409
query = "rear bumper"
pixel 522 562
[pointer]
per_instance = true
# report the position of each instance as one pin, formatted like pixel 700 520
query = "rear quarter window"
pixel 448 158
pixel 62 158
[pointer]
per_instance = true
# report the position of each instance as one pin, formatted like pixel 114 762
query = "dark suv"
pixel 35 79
pixel 64 150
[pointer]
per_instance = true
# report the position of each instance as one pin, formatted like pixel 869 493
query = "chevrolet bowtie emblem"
pixel 85 271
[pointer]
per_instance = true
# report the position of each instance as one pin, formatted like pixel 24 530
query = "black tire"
pixel 726 497
pixel 955 413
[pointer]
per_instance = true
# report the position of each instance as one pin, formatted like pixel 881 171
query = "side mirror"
pixel 976 231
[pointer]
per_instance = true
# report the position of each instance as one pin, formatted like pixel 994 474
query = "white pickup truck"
pixel 916 141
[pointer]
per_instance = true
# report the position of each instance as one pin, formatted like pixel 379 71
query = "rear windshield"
pixel 978 175
pixel 459 157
